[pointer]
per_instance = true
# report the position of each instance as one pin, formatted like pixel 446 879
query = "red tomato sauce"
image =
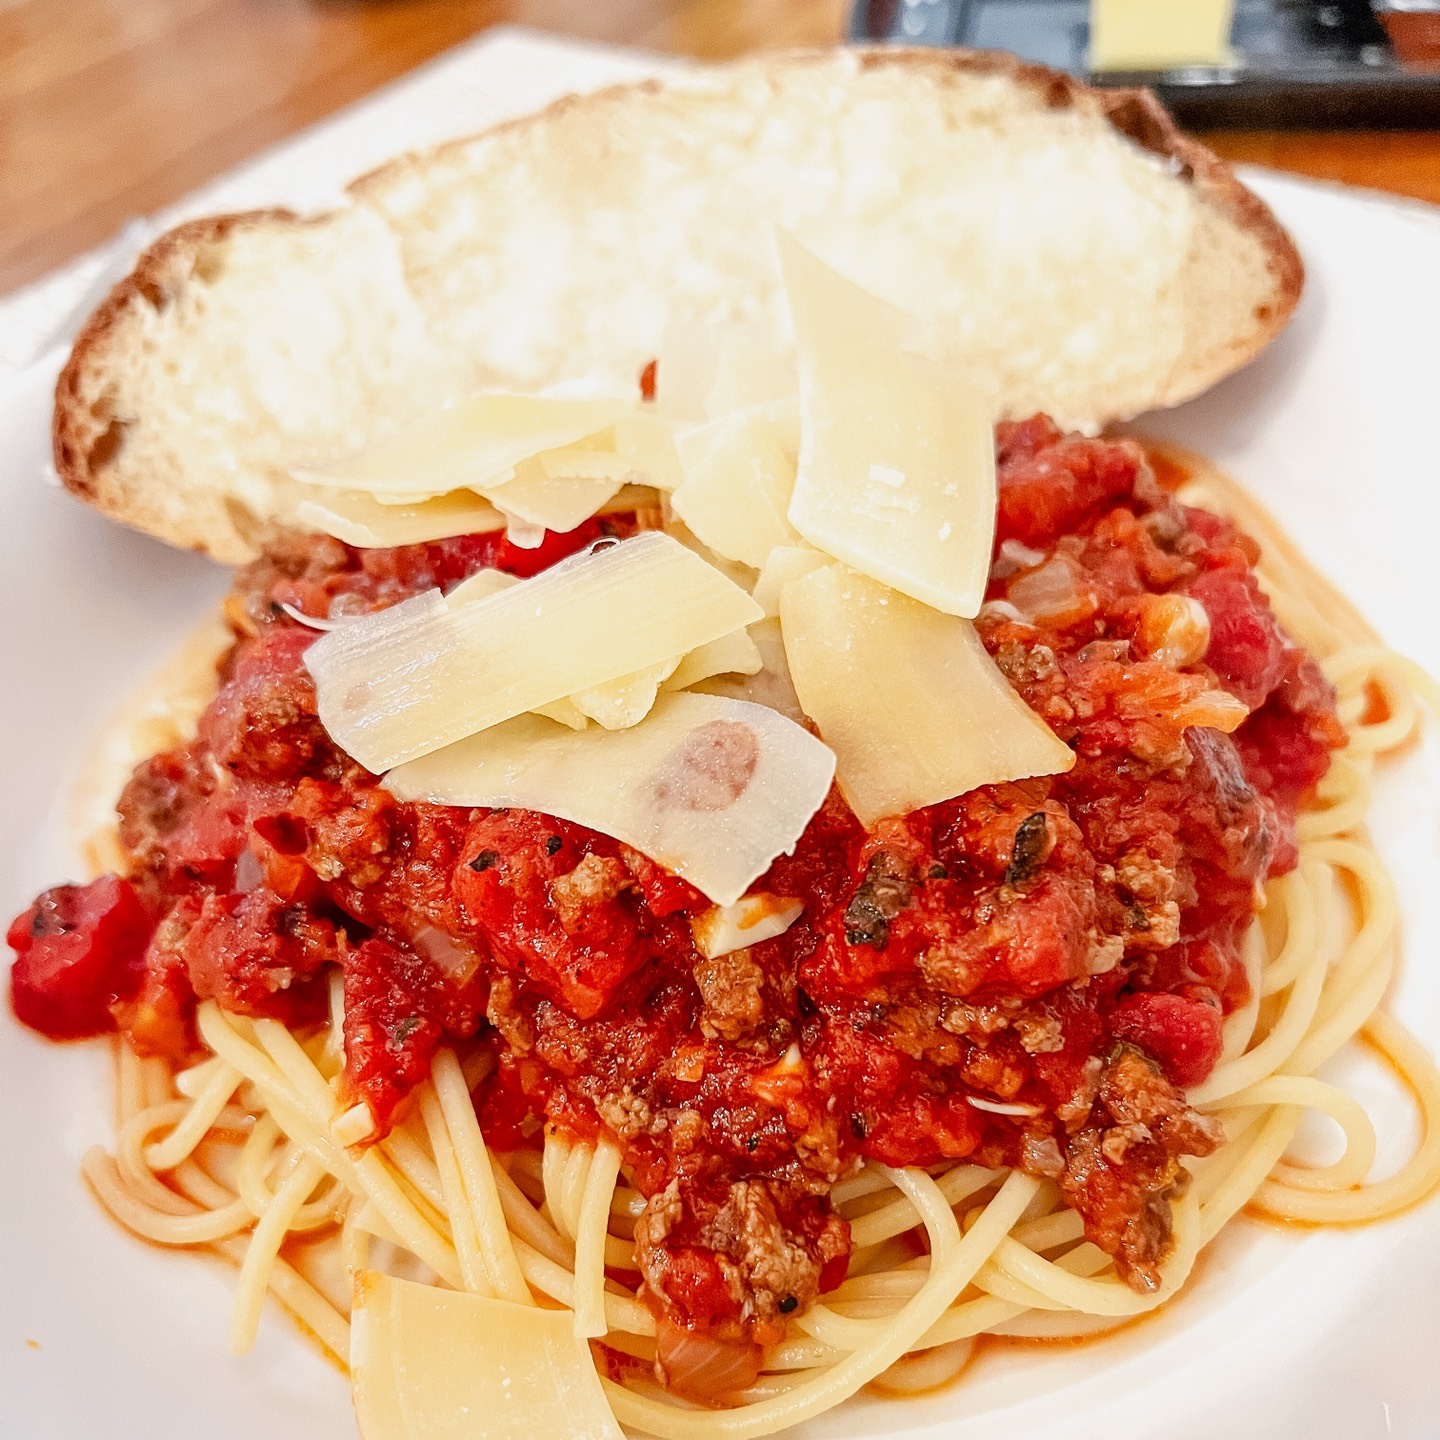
pixel 1026 975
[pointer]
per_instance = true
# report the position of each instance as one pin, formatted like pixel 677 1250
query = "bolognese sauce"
pixel 1028 975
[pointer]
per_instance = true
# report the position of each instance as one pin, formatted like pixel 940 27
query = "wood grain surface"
pixel 112 108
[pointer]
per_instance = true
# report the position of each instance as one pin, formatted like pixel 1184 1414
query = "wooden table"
pixel 111 108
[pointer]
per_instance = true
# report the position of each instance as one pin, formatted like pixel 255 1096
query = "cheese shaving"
pixel 897 458
pixel 472 442
pixel 434 1364
pixel 912 705
pixel 412 679
pixel 713 789
pixel 739 474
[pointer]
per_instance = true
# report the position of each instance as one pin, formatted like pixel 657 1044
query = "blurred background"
pixel 110 109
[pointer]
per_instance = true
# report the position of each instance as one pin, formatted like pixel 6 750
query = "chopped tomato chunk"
pixel 78 952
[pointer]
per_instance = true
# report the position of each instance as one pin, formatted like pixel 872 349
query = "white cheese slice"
pixel 735 654
pixel 535 495
pixel 782 565
pixel 770 685
pixel 712 789
pixel 645 440
pixel 739 472
pixel 596 459
pixel 827 308
pixel 491 582
pixel 751 919
pixel 468 444
pixel 558 489
pixel 364 522
pixel 908 699
pixel 405 681
pixel 705 371
pixel 480 586
pixel 433 1364
pixel 628 699
pixel 897 457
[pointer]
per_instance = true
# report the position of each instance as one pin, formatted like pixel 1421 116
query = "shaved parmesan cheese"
pixel 913 707
pixel 362 521
pixel 480 586
pixel 739 473
pixel 645 441
pixel 409 680
pixel 522 534
pixel 625 701
pixel 742 575
pixel 828 309
pixel 558 489
pixel 751 919
pixel 705 371
pixel 770 685
pixel 628 699
pixel 897 461
pixel 735 654
pixel 784 564
pixel 582 462
pixel 548 501
pixel 433 1364
pixel 712 789
pixel 468 444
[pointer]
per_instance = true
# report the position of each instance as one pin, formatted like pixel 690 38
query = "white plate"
pixel 1287 1334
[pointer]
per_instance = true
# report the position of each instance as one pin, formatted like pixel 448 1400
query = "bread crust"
pixel 81 447
pixel 86 438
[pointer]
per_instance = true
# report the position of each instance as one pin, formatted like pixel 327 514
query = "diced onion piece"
pixel 468 444
pixel 751 919
pixel 363 521
pixel 897 460
pixel 1052 594
pixel 784 564
pixel 705 371
pixel 354 1125
pixel 913 707
pixel 739 473
pixel 311 622
pixel 735 654
pixel 400 683
pixel 1001 1107
pixel 433 1364
pixel 712 789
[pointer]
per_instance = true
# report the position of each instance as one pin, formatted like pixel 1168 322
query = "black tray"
pixel 1298 62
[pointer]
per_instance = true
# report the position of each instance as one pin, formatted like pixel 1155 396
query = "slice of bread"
pixel 1067 246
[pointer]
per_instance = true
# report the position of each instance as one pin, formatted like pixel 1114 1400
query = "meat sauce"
pixel 1028 975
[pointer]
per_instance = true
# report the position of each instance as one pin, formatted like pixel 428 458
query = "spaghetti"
pixel 245 1153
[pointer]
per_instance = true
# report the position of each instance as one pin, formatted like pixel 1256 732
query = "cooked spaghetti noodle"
pixel 246 1152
